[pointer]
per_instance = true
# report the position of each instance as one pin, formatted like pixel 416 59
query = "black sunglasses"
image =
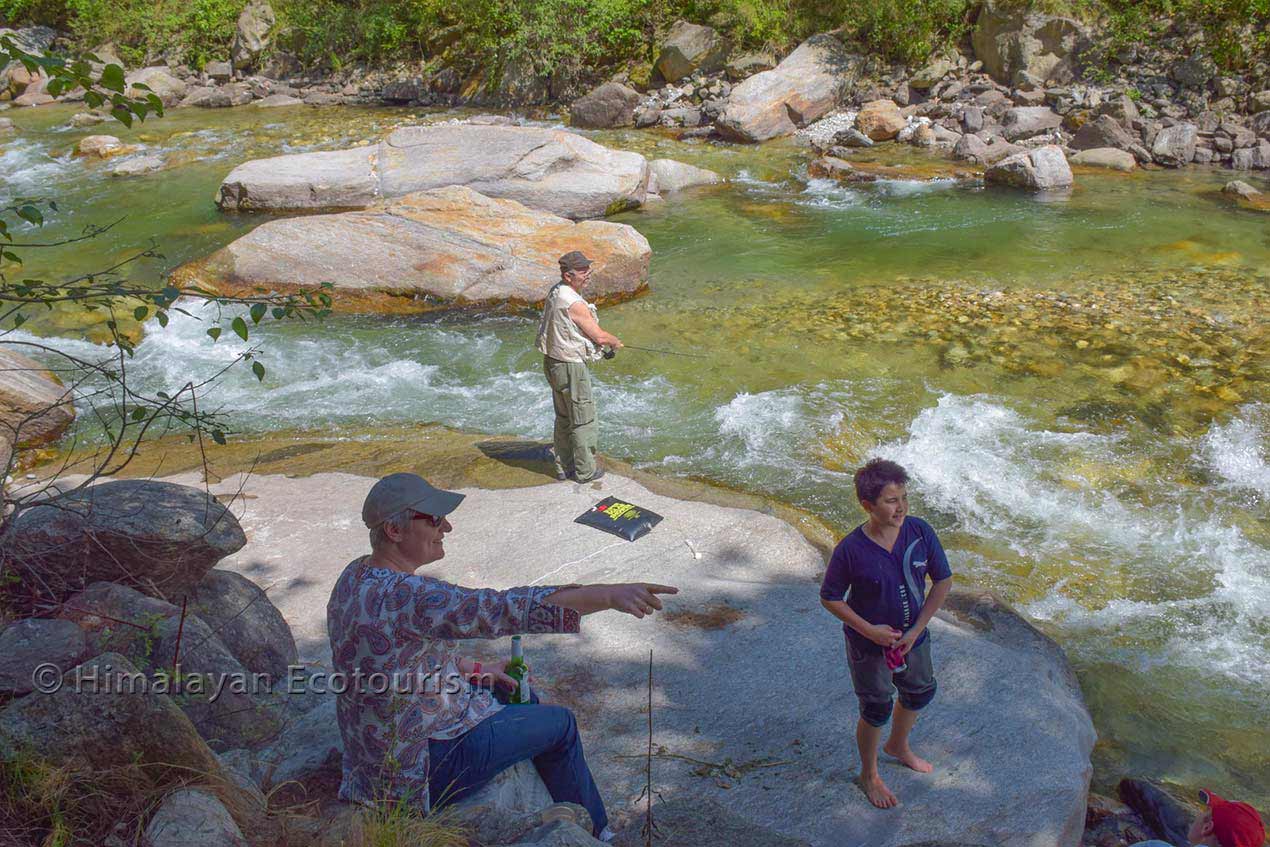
pixel 432 519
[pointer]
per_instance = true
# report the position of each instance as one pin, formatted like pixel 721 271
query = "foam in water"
pixel 26 169
pixel 1236 451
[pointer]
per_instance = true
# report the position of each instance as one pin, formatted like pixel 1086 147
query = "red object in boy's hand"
pixel 895 658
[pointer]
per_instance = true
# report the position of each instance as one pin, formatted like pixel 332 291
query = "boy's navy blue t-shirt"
pixel 873 582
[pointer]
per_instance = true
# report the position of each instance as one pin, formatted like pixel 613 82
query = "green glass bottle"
pixel 516 670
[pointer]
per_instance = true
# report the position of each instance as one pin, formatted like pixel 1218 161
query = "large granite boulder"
pixel 1175 145
pixel 1252 158
pixel 157 537
pixel 1102 131
pixel 880 120
pixel 1042 169
pixel 669 175
pixel 1013 40
pixel 1106 157
pixel 229 707
pixel 34 407
pixel 28 644
pixel 161 82
pixel 689 48
pixel 548 169
pixel 808 84
pixel 310 750
pixel 246 622
pixel 432 249
pixel 609 105
pixel 1027 121
pixel 251 38
pixel 191 817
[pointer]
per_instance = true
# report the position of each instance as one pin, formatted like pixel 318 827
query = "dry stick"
pixel 648 775
pixel 180 630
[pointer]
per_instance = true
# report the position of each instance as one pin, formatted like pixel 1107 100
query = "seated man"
pixel 1225 824
pixel 414 730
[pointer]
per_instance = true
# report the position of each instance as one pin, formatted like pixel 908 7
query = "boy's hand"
pixel 908 640
pixel 881 634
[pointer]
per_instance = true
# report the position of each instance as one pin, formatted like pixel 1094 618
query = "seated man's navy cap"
pixel 574 261
pixel 406 491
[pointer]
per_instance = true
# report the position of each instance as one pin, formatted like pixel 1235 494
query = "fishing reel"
pixel 610 353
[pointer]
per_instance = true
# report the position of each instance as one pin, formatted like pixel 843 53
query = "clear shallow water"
pixel 1078 387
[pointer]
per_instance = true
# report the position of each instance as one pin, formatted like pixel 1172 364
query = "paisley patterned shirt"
pixel 393 644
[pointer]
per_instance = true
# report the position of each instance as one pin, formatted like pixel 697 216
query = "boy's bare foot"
pixel 877 792
pixel 908 758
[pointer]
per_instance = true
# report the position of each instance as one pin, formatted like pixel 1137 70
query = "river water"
pixel 1078 386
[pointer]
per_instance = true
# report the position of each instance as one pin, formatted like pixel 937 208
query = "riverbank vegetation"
pixel 564 36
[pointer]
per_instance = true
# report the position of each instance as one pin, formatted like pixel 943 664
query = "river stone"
pixel 81 120
pixel 138 166
pixel 1157 808
pixel 609 105
pixel 27 644
pixel 690 48
pixel 101 146
pixel 1026 121
pixel 559 834
pixel 251 38
pixel 218 97
pixel 1106 157
pixel 234 718
pixel 309 749
pixel 162 83
pixel 880 120
pixel 158 537
pixel 219 71
pixel 932 72
pixel 275 100
pixel 34 407
pixel 1013 40
pixel 547 169
pixel 1240 189
pixel 973 148
pixel 808 84
pixel 1252 158
pixel 1102 131
pixel 1006 697
pixel 1175 145
pixel 1121 107
pixel 748 64
pixel 192 818
pixel 1042 169
pixel 669 175
pixel 447 246
pixel 246 622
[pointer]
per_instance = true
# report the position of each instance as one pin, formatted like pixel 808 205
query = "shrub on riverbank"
pixel 572 38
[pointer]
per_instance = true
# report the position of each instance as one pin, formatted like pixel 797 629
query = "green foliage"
pixel 905 30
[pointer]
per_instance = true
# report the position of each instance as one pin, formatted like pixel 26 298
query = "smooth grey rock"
pixel 1258 102
pixel 246 622
pixel 451 245
pixel 1010 40
pixel 706 821
pixel 559 834
pixel 681 116
pixel 1026 121
pixel 1102 131
pixel 1042 169
pixel 690 48
pixel 808 84
pixel 852 137
pixel 1237 187
pixel 1121 107
pixel 1106 157
pixel 155 536
pixel 192 818
pixel 1160 811
pixel 149 632
pixel 239 766
pixel 1175 145
pixel 275 100
pixel 219 71
pixel 609 105
pixel 81 120
pixel 1194 71
pixel 748 64
pixel 252 35
pixel 676 176
pixel 1252 158
pixel 1006 700
pixel 972 118
pixel 161 82
pixel 25 645
pixel 138 166
pixel 517 789
pixel 219 97
pixel 932 72
pixel 308 748
pixel 35 408
pixel 547 169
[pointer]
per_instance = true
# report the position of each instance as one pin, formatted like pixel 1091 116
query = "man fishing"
pixel 569 337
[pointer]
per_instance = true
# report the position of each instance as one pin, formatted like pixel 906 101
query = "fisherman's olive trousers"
pixel 576 430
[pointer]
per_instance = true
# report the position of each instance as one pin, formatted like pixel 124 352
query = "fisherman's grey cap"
pixel 406 491
pixel 574 261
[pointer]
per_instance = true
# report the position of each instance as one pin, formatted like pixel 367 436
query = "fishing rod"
pixel 609 352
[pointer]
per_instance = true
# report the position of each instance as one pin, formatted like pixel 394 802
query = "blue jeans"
pixel 546 734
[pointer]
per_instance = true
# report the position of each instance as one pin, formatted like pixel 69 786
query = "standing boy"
pixel 876 585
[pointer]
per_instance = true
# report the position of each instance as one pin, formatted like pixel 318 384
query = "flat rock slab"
pixel 547 169
pixel 740 655
pixel 432 249
pixel 34 406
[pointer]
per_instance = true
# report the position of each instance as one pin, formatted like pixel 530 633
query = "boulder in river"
pixel 548 169
pixel 34 407
pixel 1106 157
pixel 807 85
pixel 690 48
pixel 669 175
pixel 158 537
pixel 160 81
pixel 1042 169
pixel 431 249
pixel 880 120
pixel 102 146
pixel 1175 145
pixel 609 105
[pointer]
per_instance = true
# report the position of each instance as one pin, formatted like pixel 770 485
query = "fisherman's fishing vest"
pixel 558 336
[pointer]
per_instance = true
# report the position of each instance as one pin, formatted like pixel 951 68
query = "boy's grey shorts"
pixel 874 682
